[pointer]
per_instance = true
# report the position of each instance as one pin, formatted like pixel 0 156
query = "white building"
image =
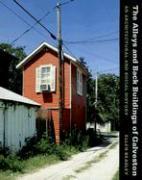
pixel 17 119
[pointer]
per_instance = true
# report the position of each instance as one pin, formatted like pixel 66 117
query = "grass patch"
pixel 88 164
pixel 113 145
pixel 98 158
pixel 30 164
pixel 34 163
pixel 36 154
pixel 7 175
pixel 101 156
pixel 69 177
pixel 116 176
pixel 83 168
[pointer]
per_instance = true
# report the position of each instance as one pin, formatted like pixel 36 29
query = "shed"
pixel 17 119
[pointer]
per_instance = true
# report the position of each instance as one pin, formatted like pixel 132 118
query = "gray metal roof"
pixel 6 94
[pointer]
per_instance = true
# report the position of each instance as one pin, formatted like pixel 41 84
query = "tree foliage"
pixel 15 75
pixel 107 107
pixel 108 99
pixel 90 92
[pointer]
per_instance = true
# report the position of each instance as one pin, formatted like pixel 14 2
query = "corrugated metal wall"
pixel 19 125
pixel 1 124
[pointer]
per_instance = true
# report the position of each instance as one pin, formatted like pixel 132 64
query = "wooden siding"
pixel 78 103
pixel 51 100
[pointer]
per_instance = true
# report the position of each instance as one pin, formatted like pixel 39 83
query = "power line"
pixel 21 35
pixel 23 20
pixel 31 27
pixel 92 41
pixel 35 19
pixel 66 2
pixel 108 60
pixel 93 38
pixel 105 70
pixel 112 69
pixel 70 52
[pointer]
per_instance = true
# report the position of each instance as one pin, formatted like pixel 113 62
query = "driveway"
pixel 98 163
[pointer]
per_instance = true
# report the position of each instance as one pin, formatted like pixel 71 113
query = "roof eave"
pixel 44 44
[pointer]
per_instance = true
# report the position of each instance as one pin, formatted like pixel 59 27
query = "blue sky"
pixel 92 26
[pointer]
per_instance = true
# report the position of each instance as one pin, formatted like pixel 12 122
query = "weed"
pixel 11 162
pixel 88 164
pixel 113 145
pixel 69 177
pixel 116 176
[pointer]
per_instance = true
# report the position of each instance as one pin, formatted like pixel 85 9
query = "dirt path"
pixel 99 163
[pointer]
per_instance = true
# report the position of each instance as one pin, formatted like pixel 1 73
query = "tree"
pixel 107 109
pixel 108 99
pixel 90 92
pixel 15 75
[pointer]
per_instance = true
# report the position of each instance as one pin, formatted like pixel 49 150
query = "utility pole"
pixel 60 64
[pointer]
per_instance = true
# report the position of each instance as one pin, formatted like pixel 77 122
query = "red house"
pixel 40 83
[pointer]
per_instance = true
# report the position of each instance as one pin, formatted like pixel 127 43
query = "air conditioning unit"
pixel 45 88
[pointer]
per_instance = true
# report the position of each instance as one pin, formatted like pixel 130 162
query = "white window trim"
pixel 79 82
pixel 44 66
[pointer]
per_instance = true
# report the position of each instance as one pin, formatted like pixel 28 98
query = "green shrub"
pixel 47 148
pixel 28 150
pixel 77 139
pixel 44 147
pixel 11 162
pixel 61 152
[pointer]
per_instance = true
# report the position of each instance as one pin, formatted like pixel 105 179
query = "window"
pixel 45 78
pixel 79 83
pixel 45 75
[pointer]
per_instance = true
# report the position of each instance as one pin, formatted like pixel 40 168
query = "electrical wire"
pixel 70 52
pixel 92 41
pixel 94 54
pixel 21 18
pixel 36 20
pixel 29 29
pixel 65 2
pixel 93 38
pixel 106 70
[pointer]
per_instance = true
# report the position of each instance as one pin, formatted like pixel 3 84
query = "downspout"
pixel 70 98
